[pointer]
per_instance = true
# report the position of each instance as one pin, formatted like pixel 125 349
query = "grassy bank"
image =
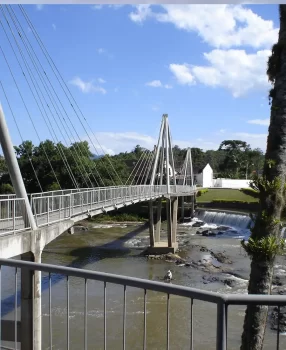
pixel 224 194
pixel 223 198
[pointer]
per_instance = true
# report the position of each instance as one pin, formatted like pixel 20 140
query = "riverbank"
pixel 214 263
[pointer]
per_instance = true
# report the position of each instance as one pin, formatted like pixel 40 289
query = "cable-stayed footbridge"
pixel 72 186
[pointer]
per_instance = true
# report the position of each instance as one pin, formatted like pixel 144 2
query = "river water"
pixel 116 249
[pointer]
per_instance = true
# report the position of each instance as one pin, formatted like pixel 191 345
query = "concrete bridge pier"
pixel 182 209
pixel 31 317
pixel 193 201
pixel 157 246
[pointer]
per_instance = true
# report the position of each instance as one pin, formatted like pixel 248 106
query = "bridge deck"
pixel 57 206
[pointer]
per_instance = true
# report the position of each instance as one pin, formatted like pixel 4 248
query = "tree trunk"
pixel 256 316
pixel 272 201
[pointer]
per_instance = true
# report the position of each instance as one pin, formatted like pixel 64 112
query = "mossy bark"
pixel 256 315
pixel 271 202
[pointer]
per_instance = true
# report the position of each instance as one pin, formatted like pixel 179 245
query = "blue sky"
pixel 203 65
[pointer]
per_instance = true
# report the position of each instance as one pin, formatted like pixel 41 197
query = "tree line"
pixel 51 166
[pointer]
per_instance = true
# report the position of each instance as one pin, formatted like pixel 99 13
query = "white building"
pixel 205 177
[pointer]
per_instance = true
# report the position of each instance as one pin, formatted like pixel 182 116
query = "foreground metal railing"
pixel 110 282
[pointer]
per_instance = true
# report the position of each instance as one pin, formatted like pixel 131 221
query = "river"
pixel 116 249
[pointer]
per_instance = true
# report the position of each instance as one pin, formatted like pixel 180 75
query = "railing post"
pixel 48 210
pixel 70 196
pixel 221 331
pixel 35 205
pixel 60 206
pixel 14 212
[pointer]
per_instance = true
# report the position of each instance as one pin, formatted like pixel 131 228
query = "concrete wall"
pixel 205 178
pixel 231 183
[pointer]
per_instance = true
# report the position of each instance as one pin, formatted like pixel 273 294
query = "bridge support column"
pixel 182 209
pixel 151 224
pixel 31 314
pixel 158 220
pixel 192 211
pixel 156 245
pixel 174 221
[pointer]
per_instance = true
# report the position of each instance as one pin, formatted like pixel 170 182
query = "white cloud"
pixel 96 7
pixel 142 13
pixel 157 83
pixel 54 26
pixel 255 140
pixel 218 25
pixel 183 73
pixel 101 81
pixel 259 121
pixel 232 69
pixel 226 28
pixel 154 83
pixel 117 142
pixel 39 7
pixel 99 7
pixel 101 50
pixel 87 86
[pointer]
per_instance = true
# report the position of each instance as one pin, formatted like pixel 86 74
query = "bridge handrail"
pixel 222 301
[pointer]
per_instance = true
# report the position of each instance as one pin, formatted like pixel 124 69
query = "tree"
pixel 236 154
pixel 265 241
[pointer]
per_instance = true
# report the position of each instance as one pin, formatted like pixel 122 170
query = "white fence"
pixel 231 183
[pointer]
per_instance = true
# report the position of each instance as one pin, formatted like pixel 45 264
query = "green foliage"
pixel 6 189
pixel 240 160
pixel 263 185
pixel 274 62
pixel 91 171
pixel 119 217
pixel 265 248
pixel 250 192
pixel 202 191
pixel 228 201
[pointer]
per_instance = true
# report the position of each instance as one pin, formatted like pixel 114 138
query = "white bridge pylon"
pixel 164 165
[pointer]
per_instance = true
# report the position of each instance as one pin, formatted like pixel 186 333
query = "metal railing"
pixel 13 215
pixel 112 281
pixel 55 206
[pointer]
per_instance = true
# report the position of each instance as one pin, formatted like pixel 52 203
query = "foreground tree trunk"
pixel 272 194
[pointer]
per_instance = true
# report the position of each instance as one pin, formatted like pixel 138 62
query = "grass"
pixel 225 194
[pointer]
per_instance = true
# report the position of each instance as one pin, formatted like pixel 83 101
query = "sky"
pixel 126 65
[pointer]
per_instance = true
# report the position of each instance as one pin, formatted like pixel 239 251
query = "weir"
pixel 226 218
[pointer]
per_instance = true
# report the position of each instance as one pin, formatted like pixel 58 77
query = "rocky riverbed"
pixel 210 257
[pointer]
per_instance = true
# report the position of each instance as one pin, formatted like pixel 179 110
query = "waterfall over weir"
pixel 242 221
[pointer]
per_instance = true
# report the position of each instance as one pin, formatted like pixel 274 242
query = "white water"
pixel 238 221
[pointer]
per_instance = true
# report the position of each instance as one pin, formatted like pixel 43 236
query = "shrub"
pixel 250 192
pixel 228 201
pixel 6 189
pixel 202 191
